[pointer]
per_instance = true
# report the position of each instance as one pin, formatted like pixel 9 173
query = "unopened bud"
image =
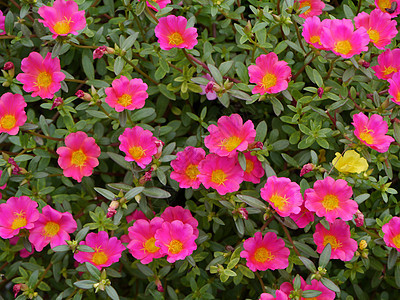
pixel 146 177
pixel 57 102
pixel 320 92
pixel 159 144
pixel 159 285
pixel 307 168
pixel 359 220
pixel 138 198
pixel 243 211
pixel 112 209
pixel 8 66
pixel 363 244
pixel 15 168
pixel 84 96
pixel 258 145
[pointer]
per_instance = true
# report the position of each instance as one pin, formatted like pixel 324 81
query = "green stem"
pixel 44 136
pixel 261 281
pixel 298 35
pixel 75 80
pixel 43 275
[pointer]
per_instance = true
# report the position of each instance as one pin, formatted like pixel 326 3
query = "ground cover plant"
pixel 199 149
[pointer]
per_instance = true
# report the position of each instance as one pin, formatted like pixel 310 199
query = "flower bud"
pixel 259 145
pixel 8 66
pixel 320 92
pixel 159 285
pixel 306 169
pixel 146 177
pixel 99 52
pixel 363 244
pixel 57 102
pixel 159 144
pixel 84 96
pixel 243 211
pixel 359 220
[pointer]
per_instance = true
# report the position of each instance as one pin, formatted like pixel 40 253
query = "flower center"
pixel 315 39
pixel 78 158
pixel 366 136
pixel 7 122
pixel 262 255
pixel 249 166
pixel 330 202
pixel 373 35
pixel 278 201
pixel 175 39
pixel 231 143
pixel 384 4
pixel 62 27
pixel 99 258
pixel 389 70
pixel 268 81
pixel 342 47
pixel 175 247
pixel 19 220
pixel 218 177
pixel 125 100
pixel 51 229
pixel 304 4
pixel 396 241
pixel 192 171
pixel 137 152
pixel 43 80
pixel 150 246
pixel 333 241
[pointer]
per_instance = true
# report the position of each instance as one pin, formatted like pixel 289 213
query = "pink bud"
pixel 80 94
pixel 159 144
pixel 99 52
pixel 209 87
pixel 243 211
pixel 259 145
pixel 320 92
pixel 57 102
pixel 359 220
pixel 15 168
pixel 365 64
pixel 17 289
pixel 306 169
pixel 159 286
pixel 8 66
pixel 111 212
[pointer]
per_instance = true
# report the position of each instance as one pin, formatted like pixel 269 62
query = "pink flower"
pixel 12 113
pixel 330 198
pixel 2 23
pixel 394 88
pixel 62 18
pixel 171 32
pixel 339 36
pixel 388 64
pixel 136 215
pixel 126 94
pixel 371 132
pixel 139 145
pixel 391 232
pixel 263 253
pixel 254 170
pixel 230 135
pixel 221 173
pixel 279 296
pixel 106 251
pixel 142 235
pixel 41 76
pixel 380 27
pixel 269 74
pixel 343 246
pixel 186 167
pixel 171 214
pixel 176 240
pixel 391 7
pixel 303 218
pixel 17 213
pixel 315 8
pixel 161 3
pixel 79 157
pixel 283 195
pixel 52 227
pixel 312 30
pixel 208 89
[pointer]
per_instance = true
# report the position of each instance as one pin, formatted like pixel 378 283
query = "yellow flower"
pixel 350 162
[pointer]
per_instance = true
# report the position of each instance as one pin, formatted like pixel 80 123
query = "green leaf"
pixel 93 270
pixel 82 233
pixel 111 292
pixel 290 160
pixel 142 114
pixel 392 258
pixel 261 131
pixel 33 279
pixel 240 95
pixel 155 192
pixel 308 264
pixel 396 131
pixel 310 294
pixel 106 193
pixel 9 23
pixel 318 78
pixel 225 67
pixel 239 226
pixel 330 285
pixel 119 159
pixel 216 74
pixel 84 284
pixel 133 192
pixel 253 202
pixel 325 256
pixel 118 65
pixel 348 12
pixel 128 43
pixel 242 160
pixel 61 248
pixel 87 64
pixel 85 248
pixel 4 177
pixel 145 270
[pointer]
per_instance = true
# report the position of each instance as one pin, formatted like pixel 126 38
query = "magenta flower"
pixel 106 250
pixel 221 173
pixel 372 131
pixel 303 218
pixel 283 195
pixel 184 215
pixel 394 88
pixel 263 253
pixel 12 113
pixel 62 18
pixel 391 232
pixel 315 8
pixel 380 27
pixel 254 170
pixel 17 213
pixel 126 94
pixel 41 76
pixel 330 198
pixel 386 6
pixel 279 296
pixel 269 74
pixel 312 30
pixel 142 240
pixel 136 215
pixel 52 227
pixel 176 240
pixel 2 23
pixel 139 145
pixel 338 236
pixel 230 135
pixel 388 64
pixel 161 3
pixel 339 37
pixel 208 89
pixel 186 167
pixel 171 32
pixel 79 156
